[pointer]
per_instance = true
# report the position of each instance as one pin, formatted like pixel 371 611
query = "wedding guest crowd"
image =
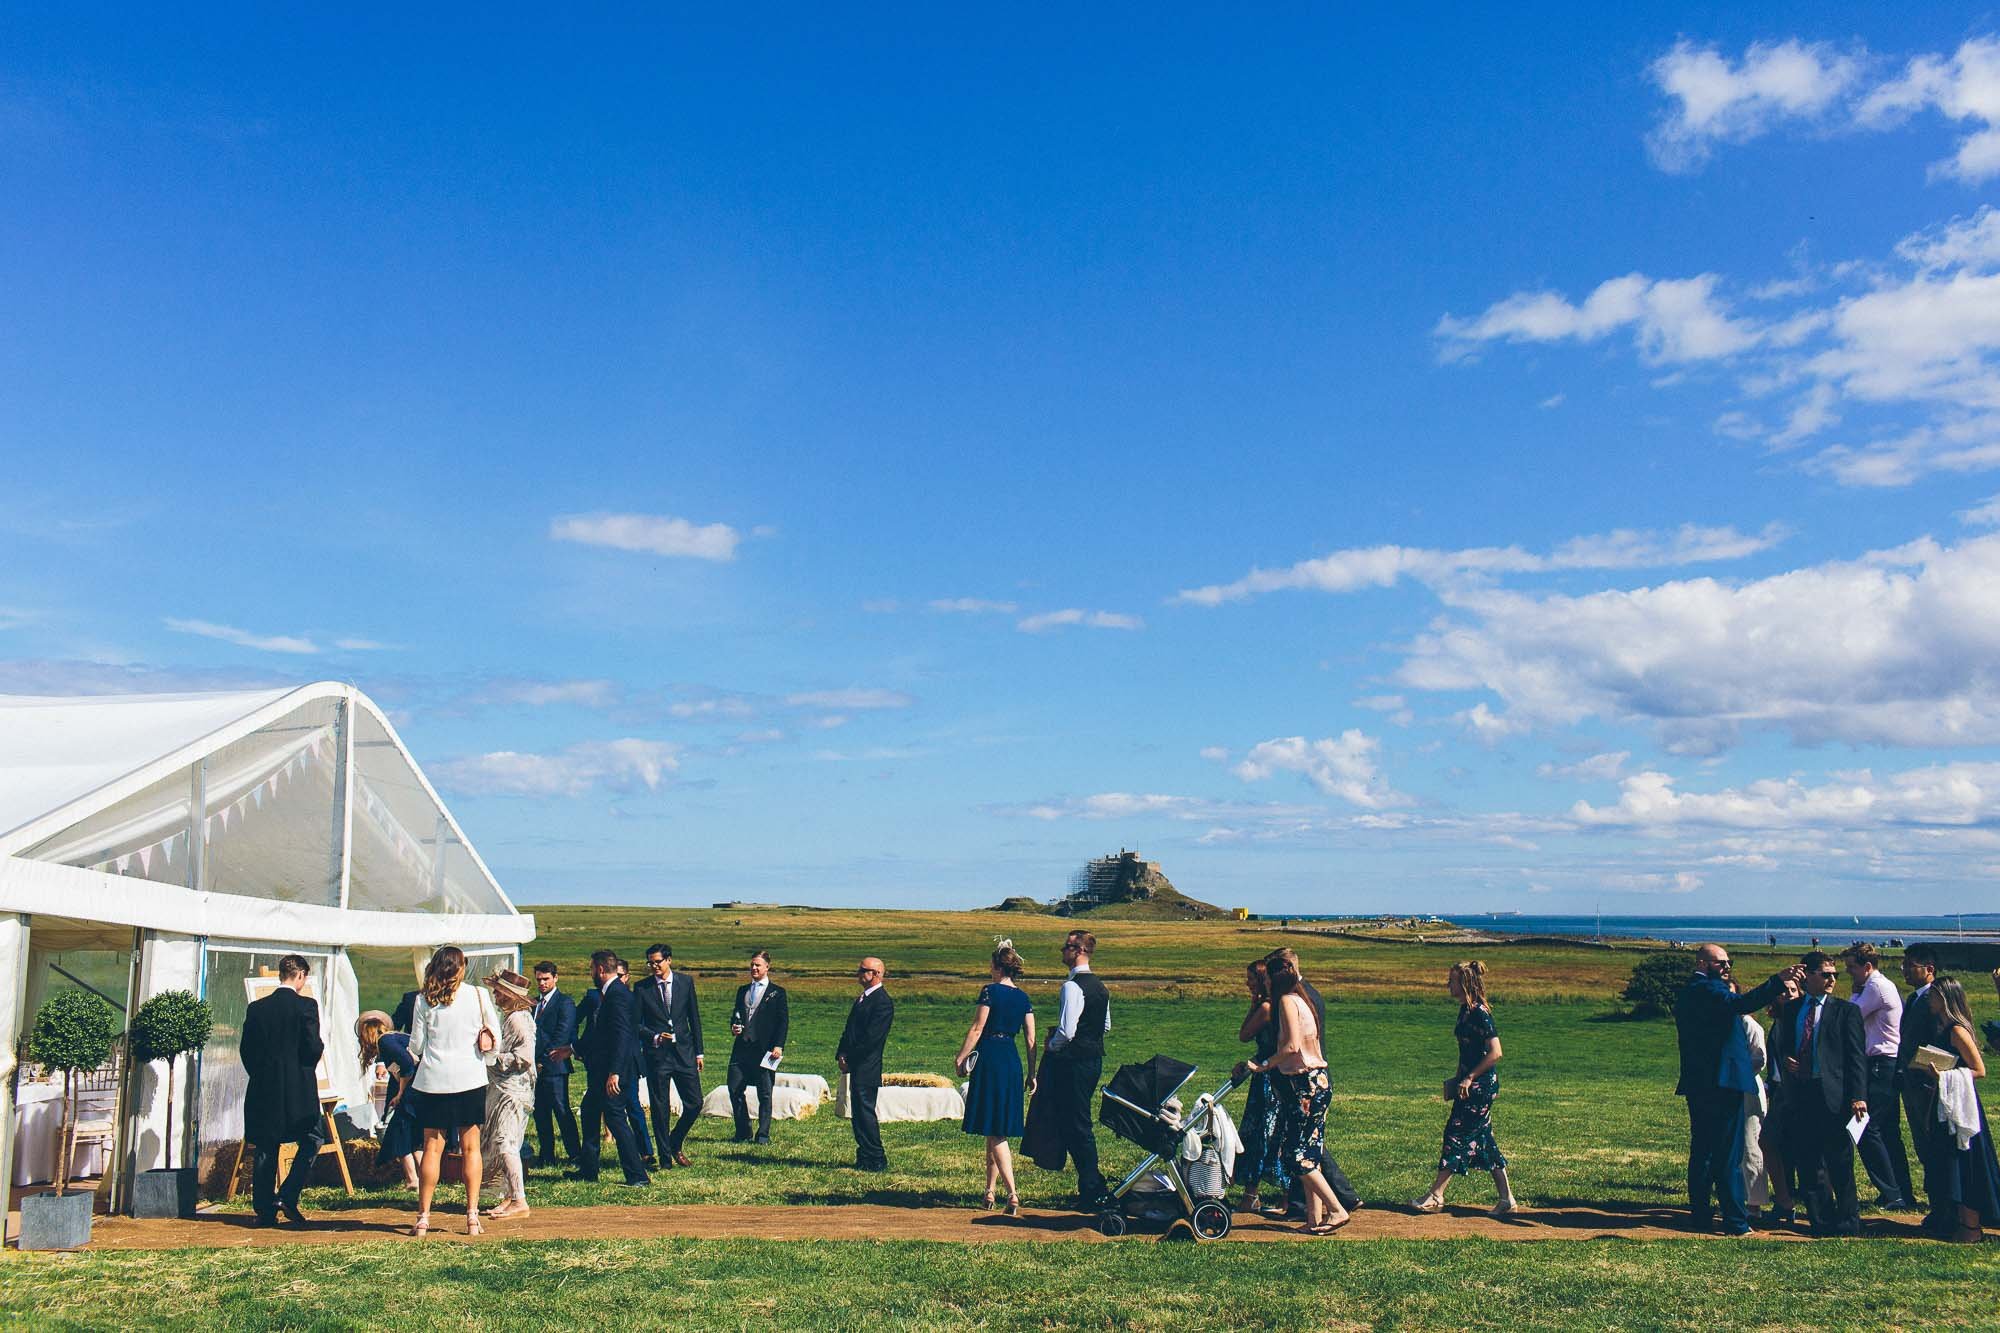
pixel 1774 1119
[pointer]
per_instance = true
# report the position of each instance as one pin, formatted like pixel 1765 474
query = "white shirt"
pixel 444 1041
pixel 755 997
pixel 1072 1010
pixel 1881 1014
pixel 870 991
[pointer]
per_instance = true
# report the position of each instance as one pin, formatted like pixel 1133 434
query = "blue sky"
pixel 1532 462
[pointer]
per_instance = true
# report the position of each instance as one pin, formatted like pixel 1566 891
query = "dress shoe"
pixel 682 1159
pixel 580 1175
pixel 739 1138
pixel 638 1184
pixel 267 1219
pixel 648 1160
pixel 292 1214
pixel 1889 1205
pixel 762 1140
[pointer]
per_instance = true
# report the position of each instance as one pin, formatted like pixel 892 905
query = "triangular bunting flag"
pixel 124 863
pixel 146 859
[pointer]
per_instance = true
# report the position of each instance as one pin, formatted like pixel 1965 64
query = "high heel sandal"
pixel 988 1203
pixel 1427 1204
pixel 422 1225
pixel 472 1227
pixel 1013 1205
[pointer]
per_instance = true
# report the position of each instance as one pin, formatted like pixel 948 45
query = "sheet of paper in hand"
pixel 771 1061
pixel 1857 1127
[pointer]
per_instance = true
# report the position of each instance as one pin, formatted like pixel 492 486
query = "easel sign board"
pixel 256 988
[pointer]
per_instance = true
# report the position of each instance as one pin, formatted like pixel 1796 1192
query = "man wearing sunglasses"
pixel 1820 1043
pixel 1706 1013
pixel 859 1056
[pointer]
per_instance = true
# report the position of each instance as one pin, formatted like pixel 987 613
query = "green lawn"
pixel 1586 1113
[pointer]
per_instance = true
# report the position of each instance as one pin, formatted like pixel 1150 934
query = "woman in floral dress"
pixel 510 1074
pixel 1468 1135
pixel 1263 1114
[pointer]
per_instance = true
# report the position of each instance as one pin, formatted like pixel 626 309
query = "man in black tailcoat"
pixel 761 1022
pixel 281 1048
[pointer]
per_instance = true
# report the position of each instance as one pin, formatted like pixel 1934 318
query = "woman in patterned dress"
pixel 1301 1067
pixel 1263 1114
pixel 510 1075
pixel 1468 1134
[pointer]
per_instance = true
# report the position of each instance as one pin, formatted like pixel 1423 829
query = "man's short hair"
pixel 1862 952
pixel 545 969
pixel 1086 943
pixel 764 954
pixel 292 966
pixel 1923 955
pixel 602 958
pixel 664 951
pixel 1285 954
pixel 1812 961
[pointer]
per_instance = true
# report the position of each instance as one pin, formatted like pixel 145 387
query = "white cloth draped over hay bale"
pixel 899 1101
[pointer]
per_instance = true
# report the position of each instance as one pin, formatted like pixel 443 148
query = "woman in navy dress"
pixel 400 1137
pixel 1263 1114
pixel 1469 1144
pixel 994 1100
pixel 1971 1175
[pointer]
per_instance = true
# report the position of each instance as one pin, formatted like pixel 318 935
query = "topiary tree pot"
pixel 166 1192
pixel 53 1221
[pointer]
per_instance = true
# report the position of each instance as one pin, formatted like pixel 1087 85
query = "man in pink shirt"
pixel 1881 1145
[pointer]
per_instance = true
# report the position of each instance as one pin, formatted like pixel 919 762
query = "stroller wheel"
pixel 1211 1220
pixel 1111 1222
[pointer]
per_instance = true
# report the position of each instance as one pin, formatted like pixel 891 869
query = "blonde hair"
pixel 369 1031
pixel 1471 978
pixel 442 975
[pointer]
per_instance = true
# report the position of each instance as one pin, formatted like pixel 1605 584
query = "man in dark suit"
pixel 1706 1013
pixel 761 1021
pixel 631 1079
pixel 670 1044
pixel 859 1056
pixel 555 1028
pixel 280 1048
pixel 406 1011
pixel 608 1048
pixel 1819 1044
pixel 1074 1062
pixel 1920 1094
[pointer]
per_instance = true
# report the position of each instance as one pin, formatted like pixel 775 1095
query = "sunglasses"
pixel 869 971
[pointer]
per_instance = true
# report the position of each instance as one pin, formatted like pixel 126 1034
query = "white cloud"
pixel 653 534
pixel 1972 243
pixel 973 606
pixel 1043 621
pixel 544 693
pixel 1894 648
pixel 1719 100
pixel 1960 795
pixel 1672 321
pixel 1489 727
pixel 1215 754
pixel 725 706
pixel 1985 514
pixel 881 606
pixel 622 765
pixel 1554 400
pixel 1607 767
pixel 14 617
pixel 1342 766
pixel 243 638
pixel 360 645
pixel 1383 566
pixel 855 698
pixel 1964 87
pixel 1381 703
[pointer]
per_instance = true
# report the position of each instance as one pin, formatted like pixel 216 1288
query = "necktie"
pixel 1805 1038
pixel 663 992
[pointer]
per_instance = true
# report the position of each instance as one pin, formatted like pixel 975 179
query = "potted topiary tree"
pixel 74 1031
pixel 167 1027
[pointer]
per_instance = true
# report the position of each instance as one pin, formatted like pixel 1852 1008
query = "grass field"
pixel 1586 1114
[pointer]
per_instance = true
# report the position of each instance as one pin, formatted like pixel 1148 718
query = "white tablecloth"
pixel 894 1103
pixel 38 1132
pixel 789 1093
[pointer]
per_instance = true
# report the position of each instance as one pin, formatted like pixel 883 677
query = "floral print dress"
pixel 1468 1135
pixel 1262 1129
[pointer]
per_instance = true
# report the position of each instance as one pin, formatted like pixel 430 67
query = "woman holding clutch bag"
pixel 993 1101
pixel 452 1029
pixel 1469 1144
pixel 1971 1174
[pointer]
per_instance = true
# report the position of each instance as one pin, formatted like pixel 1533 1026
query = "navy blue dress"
pixel 993 1102
pixel 401 1136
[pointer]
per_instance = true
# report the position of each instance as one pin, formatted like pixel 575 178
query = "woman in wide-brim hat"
pixel 510 1089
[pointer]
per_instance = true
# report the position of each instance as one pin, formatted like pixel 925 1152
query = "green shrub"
pixel 74 1031
pixel 1657 980
pixel 167 1027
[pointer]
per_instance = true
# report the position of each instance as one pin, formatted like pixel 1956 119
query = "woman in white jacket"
pixel 451 1031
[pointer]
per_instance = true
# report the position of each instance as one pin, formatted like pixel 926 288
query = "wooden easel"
pixel 288 1151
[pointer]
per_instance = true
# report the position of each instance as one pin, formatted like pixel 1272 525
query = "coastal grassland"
pixel 913 1284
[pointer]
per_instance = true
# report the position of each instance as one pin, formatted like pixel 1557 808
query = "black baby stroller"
pixel 1139 1107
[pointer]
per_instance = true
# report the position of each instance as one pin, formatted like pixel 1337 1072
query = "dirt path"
pixel 867 1222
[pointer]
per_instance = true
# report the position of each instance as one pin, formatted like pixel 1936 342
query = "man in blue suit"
pixel 609 1050
pixel 555 1027
pixel 1706 1014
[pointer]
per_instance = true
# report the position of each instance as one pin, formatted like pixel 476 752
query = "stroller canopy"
pixel 1150 1082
